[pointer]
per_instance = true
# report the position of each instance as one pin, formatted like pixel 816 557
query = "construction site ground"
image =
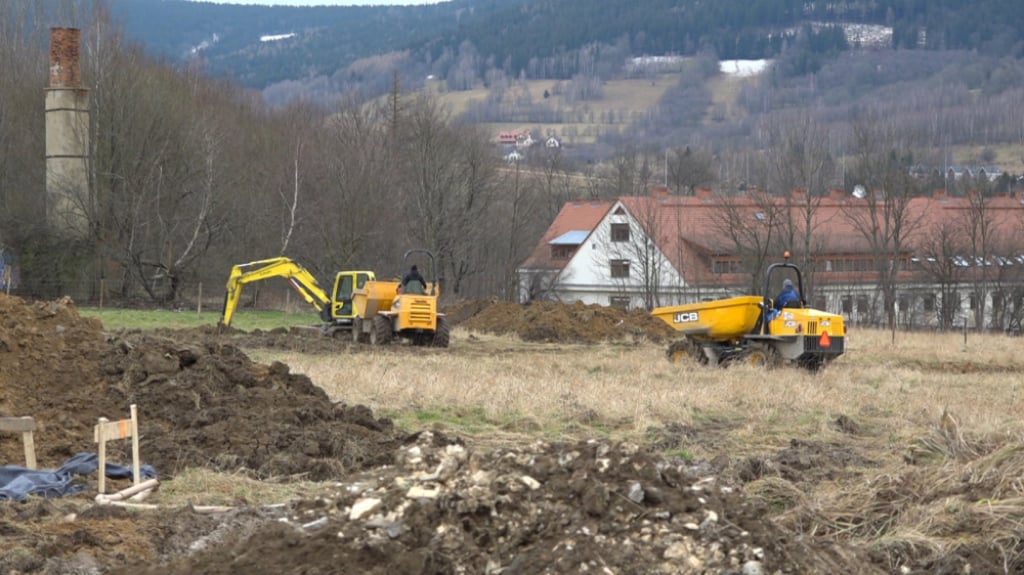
pixel 370 497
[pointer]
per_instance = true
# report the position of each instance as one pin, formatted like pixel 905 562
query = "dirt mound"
pixel 592 506
pixel 202 403
pixel 548 321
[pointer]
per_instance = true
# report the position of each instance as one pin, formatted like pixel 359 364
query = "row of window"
pixel 929 301
pixel 868 264
pixel 862 264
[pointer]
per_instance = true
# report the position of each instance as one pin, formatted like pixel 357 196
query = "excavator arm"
pixel 299 277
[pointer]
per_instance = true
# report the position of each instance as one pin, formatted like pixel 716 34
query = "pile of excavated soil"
pixel 549 321
pixel 201 403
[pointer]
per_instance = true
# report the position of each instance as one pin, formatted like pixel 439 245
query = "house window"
pixel 904 303
pixel 620 268
pixel 562 252
pixel 725 266
pixel 862 304
pixel 620 232
pixel 847 302
pixel 928 301
pixel 998 302
pixel 621 302
pixel 952 302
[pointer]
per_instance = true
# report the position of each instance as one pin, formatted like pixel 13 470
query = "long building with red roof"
pixel 946 259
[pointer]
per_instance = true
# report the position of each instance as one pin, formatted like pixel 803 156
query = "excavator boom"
pixel 298 277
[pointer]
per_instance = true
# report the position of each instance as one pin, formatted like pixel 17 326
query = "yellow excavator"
pixel 336 310
pixel 752 329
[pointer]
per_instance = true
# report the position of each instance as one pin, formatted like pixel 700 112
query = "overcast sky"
pixel 326 2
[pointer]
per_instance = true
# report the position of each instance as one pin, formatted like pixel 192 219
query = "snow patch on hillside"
pixel 276 37
pixel 743 68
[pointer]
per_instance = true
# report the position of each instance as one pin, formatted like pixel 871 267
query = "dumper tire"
pixel 443 333
pixel 381 332
pixel 685 350
pixel 762 355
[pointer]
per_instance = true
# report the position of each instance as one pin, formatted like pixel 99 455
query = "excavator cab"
pixel 344 284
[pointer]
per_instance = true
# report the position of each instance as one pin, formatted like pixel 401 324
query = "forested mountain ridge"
pixel 538 38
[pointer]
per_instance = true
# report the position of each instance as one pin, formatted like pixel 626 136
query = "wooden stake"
pixel 26 426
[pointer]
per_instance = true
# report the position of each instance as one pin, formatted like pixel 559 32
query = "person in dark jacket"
pixel 419 285
pixel 788 297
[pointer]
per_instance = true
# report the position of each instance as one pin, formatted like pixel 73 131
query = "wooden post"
pixel 199 300
pixel 107 430
pixel 26 426
pixel 135 445
pixel 101 438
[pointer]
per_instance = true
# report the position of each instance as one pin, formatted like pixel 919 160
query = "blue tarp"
pixel 17 482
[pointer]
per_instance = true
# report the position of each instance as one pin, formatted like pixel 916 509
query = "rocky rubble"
pixel 587 507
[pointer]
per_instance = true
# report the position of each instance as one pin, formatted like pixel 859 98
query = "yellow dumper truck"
pixel 750 329
pixel 384 313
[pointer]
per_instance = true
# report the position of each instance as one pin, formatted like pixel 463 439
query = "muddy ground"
pixel 390 501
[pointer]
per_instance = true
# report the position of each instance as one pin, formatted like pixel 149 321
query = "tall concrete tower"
pixel 67 137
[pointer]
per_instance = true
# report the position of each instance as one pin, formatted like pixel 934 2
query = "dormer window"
pixel 562 252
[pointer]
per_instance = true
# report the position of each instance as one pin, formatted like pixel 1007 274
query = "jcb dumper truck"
pixel 385 311
pixel 750 329
pixel 336 310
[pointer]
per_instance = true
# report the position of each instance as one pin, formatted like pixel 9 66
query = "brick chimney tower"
pixel 67 137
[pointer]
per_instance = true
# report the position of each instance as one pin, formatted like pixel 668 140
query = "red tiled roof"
pixel 691 229
pixel 574 215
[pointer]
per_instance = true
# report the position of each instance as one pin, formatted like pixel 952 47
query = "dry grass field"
pixel 908 445
pixel 893 390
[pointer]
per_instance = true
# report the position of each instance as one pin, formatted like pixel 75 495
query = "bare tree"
pixel 352 215
pixel 688 169
pixel 157 169
pixel 631 173
pixel 449 178
pixel 22 71
pixel 981 236
pixel 939 256
pixel 555 180
pixel 753 224
pixel 800 168
pixel 517 209
pixel 884 217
